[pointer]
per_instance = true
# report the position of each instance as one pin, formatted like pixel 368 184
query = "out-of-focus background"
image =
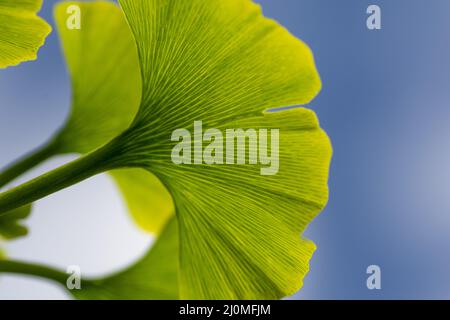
pixel 385 104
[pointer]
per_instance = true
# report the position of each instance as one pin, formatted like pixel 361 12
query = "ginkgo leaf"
pixel 239 230
pixel 106 90
pixel 153 277
pixel 104 68
pixel 105 99
pixel 106 87
pixel 223 63
pixel 148 200
pixel 10 227
pixel 22 31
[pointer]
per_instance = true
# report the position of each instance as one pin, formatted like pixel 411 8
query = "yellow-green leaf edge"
pixel 23 32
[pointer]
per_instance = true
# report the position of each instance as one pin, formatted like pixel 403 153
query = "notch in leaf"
pixel 221 62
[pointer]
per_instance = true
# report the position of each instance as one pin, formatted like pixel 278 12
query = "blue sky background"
pixel 385 105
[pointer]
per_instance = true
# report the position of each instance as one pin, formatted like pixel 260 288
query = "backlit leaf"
pixel 104 69
pixel 22 31
pixel 220 62
pixel 223 63
pixel 148 200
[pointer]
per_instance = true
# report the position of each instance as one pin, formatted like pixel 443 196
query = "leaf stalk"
pixel 28 162
pixel 74 172
pixel 24 268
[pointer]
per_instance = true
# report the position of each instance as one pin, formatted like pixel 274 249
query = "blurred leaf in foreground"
pixel 105 98
pixel 223 63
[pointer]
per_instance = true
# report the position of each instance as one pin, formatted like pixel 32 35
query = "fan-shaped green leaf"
pixel 22 31
pixel 104 68
pixel 148 200
pixel 223 63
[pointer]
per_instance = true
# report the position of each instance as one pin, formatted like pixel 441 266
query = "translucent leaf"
pixel 148 200
pixel 10 227
pixel 22 31
pixel 104 68
pixel 154 277
pixel 220 62
pixel 223 63
pixel 214 61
